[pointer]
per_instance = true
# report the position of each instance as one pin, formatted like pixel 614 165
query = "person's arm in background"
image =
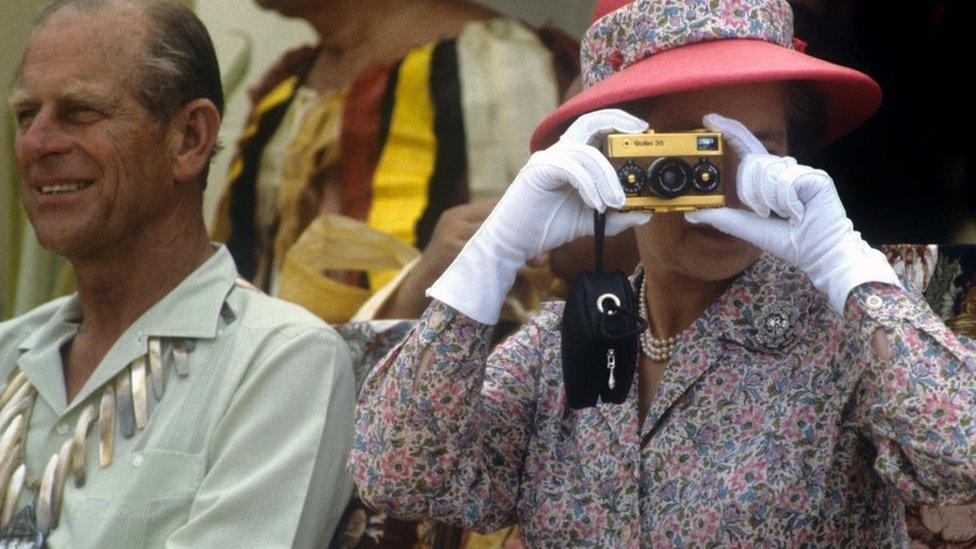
pixel 454 228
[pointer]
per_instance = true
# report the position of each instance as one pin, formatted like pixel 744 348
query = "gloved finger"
pixel 769 234
pixel 618 222
pixel 754 172
pixel 590 127
pixel 735 133
pixel 553 168
pixel 747 181
pixel 812 184
pixel 780 195
pixel 603 177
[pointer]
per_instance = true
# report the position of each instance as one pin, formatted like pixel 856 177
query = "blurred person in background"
pixel 356 146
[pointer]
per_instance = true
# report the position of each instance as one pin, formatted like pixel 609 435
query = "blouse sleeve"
pixel 442 426
pixel 916 400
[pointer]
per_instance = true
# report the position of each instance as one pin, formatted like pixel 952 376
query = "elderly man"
pixel 167 402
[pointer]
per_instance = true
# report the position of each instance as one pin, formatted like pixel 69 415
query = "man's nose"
pixel 43 136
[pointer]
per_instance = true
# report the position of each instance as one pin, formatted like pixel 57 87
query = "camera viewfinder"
pixel 707 143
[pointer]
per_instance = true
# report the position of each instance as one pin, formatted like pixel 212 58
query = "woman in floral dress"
pixel 790 392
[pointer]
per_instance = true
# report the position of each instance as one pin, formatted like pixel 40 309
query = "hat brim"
pixel 849 96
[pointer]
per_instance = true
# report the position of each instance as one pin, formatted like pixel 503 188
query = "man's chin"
pixel 62 240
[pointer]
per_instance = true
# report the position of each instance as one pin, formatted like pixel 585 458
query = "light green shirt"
pixel 248 450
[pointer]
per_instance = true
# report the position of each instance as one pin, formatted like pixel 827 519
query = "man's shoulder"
pixel 19 328
pixel 262 313
pixel 283 336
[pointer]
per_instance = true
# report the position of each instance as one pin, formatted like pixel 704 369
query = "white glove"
pixel 814 233
pixel 550 203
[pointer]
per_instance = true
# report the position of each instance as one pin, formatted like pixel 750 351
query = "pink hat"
pixel 647 48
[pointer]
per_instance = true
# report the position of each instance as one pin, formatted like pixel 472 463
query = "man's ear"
pixel 193 134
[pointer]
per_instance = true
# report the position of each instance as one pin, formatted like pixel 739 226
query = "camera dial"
pixel 632 177
pixel 706 176
pixel 669 177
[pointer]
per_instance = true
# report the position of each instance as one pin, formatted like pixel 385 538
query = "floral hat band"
pixel 643 28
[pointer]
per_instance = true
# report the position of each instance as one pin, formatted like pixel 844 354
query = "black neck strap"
pixel 599 229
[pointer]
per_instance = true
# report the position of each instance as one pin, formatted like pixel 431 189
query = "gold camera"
pixel 668 172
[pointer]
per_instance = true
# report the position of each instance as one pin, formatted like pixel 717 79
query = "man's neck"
pixel 118 286
pixel 115 289
pixel 116 292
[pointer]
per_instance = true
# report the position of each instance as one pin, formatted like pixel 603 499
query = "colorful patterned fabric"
pixel 643 28
pixel 403 128
pixel 946 276
pixel 816 441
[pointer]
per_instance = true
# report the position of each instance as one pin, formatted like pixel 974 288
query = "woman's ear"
pixel 193 132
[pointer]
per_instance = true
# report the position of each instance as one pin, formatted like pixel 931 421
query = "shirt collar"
pixel 189 311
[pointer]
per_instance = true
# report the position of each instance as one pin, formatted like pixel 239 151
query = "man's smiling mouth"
pixel 65 187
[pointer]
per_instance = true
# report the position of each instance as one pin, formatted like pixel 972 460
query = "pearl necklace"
pixel 658 350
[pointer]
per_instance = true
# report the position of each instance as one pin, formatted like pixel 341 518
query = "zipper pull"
pixel 611 365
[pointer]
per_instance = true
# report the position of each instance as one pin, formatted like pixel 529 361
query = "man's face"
pixel 93 161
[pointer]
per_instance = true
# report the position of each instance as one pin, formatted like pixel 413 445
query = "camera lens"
pixel 669 177
pixel 706 177
pixel 632 177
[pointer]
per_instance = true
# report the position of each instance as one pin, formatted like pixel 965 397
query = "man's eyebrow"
pixel 18 96
pixel 88 96
pixel 71 94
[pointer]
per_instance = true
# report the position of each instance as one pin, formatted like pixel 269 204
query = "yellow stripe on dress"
pixel 278 95
pixel 399 190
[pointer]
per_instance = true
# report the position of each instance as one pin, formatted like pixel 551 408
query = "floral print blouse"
pixel 810 435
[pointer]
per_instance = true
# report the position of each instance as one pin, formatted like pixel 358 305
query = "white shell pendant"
pixel 123 404
pixel 13 434
pixel 85 422
pixel 181 358
pixel 106 426
pixel 10 412
pixel 45 496
pixel 156 367
pixel 8 463
pixel 140 395
pixel 13 386
pixel 12 494
pixel 60 479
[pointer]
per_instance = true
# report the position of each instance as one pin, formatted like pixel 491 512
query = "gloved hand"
pixel 550 203
pixel 812 230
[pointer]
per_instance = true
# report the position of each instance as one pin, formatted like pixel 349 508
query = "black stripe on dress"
pixel 447 186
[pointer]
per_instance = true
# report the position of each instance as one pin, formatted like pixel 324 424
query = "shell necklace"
pixel 125 399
